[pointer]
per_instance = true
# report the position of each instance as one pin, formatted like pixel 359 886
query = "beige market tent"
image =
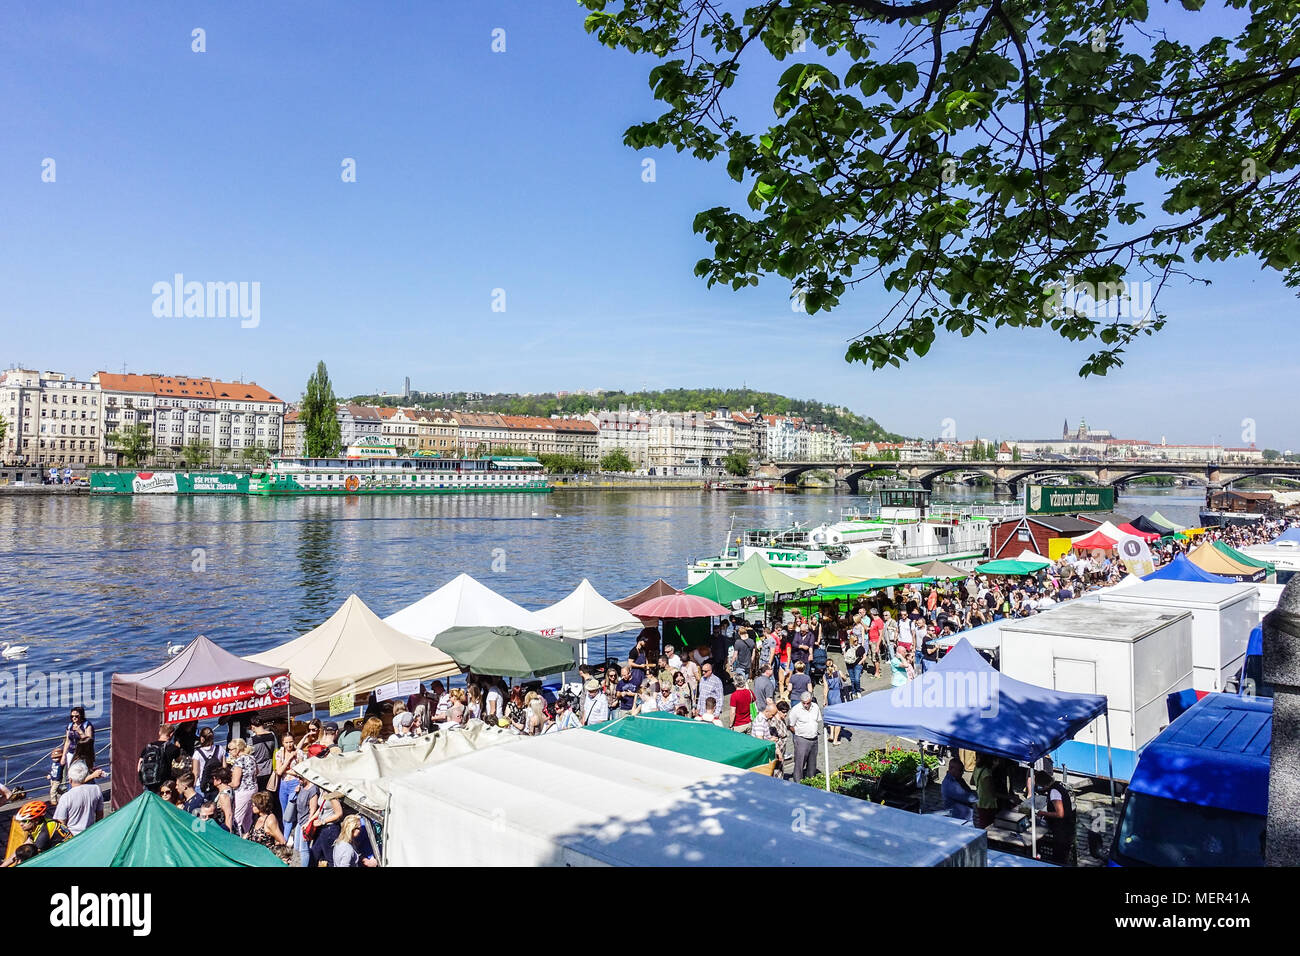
pixel 363 776
pixel 868 565
pixel 354 651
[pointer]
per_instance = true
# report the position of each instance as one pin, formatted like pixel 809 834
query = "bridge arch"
pixel 1229 482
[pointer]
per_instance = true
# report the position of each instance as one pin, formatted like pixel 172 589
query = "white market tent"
pixel 461 602
pixel 1110 531
pixel 1128 582
pixel 363 776
pixel 577 798
pixel 354 651
pixel 1029 554
pixel 584 614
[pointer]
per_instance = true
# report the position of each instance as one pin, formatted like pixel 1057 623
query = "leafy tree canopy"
pixel 319 416
pixel 978 158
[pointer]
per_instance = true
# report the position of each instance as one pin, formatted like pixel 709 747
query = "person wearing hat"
pixel 402 726
pixel 595 705
pixel 38 830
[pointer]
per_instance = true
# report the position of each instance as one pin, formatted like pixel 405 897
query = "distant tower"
pixel 407 387
pixel 1065 429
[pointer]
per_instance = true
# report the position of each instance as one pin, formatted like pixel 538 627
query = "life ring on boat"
pixel 352 483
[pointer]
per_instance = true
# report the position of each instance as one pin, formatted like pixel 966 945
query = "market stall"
pixel 461 602
pixel 201 683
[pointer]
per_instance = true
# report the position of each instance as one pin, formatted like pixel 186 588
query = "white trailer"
pixel 1222 617
pixel 1134 656
pixel 1269 594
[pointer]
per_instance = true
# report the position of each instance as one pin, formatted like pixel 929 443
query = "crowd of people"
pixel 768 679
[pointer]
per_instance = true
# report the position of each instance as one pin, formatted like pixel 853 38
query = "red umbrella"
pixel 679 606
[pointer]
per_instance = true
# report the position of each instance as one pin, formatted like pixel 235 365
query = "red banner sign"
pixel 220 700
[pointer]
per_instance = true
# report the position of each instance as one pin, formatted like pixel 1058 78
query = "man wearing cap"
pixel 402 726
pixel 595 706
pixel 805 724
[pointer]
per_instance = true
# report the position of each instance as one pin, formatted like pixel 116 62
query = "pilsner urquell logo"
pixel 208 300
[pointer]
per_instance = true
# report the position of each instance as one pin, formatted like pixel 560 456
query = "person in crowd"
pixel 626 691
pixel 209 756
pixel 764 686
pixel 285 758
pixel 209 813
pixel 854 657
pixel 834 695
pixel 565 718
pixel 457 714
pixel 329 819
pixel 682 690
pixel 536 720
pixel 261 746
pixel 473 702
pixel 37 829
pixel 402 724
pixel 799 681
pixel 79 739
pixel 805 726
pixel 243 781
pixel 83 804
pixel 899 664
pixel 305 797
pixel 647 701
pixel 265 830
pixel 155 766
pixel 189 798
pixel 988 793
pixel 595 705
pixel 372 733
pixel 170 793
pixel 344 851
pixel 225 799
pixel 742 657
pixel 710 684
pixel 1058 816
pixel 710 713
pixel 514 711
pixel 743 704
pixel 958 797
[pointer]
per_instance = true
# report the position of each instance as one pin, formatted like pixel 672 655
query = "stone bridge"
pixel 1007 475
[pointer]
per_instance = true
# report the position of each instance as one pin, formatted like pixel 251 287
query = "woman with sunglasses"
pixel 79 739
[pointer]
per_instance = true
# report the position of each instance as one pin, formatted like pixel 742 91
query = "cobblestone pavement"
pixel 1092 801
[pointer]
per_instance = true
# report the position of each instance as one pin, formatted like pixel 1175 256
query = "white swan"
pixel 10 651
pixel 174 649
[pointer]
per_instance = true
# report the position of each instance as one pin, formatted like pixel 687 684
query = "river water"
pixel 103 584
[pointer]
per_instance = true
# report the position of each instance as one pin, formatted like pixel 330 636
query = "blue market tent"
pixel 1290 534
pixel 963 702
pixel 1180 569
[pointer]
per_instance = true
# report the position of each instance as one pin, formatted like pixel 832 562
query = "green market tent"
pixel 1011 566
pixel 1157 518
pixel 942 571
pixel 694 737
pixel 874 584
pixel 717 588
pixel 505 651
pixel 149 831
pixel 868 564
pixel 1245 559
pixel 759 576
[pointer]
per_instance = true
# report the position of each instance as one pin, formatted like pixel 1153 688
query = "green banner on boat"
pixel 1067 499
pixel 168 483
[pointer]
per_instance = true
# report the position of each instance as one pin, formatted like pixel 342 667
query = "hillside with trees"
pixel 670 400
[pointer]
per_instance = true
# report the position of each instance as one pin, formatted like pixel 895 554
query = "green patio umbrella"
pixel 505 651
pixel 717 588
pixel 872 584
pixel 1012 566
pixel 149 831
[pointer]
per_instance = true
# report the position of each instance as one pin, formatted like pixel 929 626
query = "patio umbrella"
pixel 943 571
pixel 505 651
pixel 680 606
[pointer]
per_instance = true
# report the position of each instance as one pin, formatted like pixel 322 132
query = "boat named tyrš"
pixel 905 528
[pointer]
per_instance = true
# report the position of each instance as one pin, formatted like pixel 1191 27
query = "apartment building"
pixel 623 430
pixel 178 411
pixel 51 419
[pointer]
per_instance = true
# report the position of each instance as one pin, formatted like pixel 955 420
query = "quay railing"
pixel 32 776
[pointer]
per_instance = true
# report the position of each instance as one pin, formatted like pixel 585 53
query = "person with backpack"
pixel 1059 816
pixel 209 756
pixel 154 768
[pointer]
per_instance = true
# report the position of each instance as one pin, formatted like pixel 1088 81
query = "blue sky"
pixel 479 171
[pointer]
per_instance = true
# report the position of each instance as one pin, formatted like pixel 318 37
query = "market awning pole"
pixel 1033 816
pixel 1110 765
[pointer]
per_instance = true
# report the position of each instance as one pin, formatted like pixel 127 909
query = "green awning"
pixel 1157 518
pixel 717 588
pixel 1243 558
pixel 1012 566
pixel 694 737
pixel 759 576
pixel 149 831
pixel 875 584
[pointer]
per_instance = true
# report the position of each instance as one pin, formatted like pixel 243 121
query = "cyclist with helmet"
pixel 39 831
